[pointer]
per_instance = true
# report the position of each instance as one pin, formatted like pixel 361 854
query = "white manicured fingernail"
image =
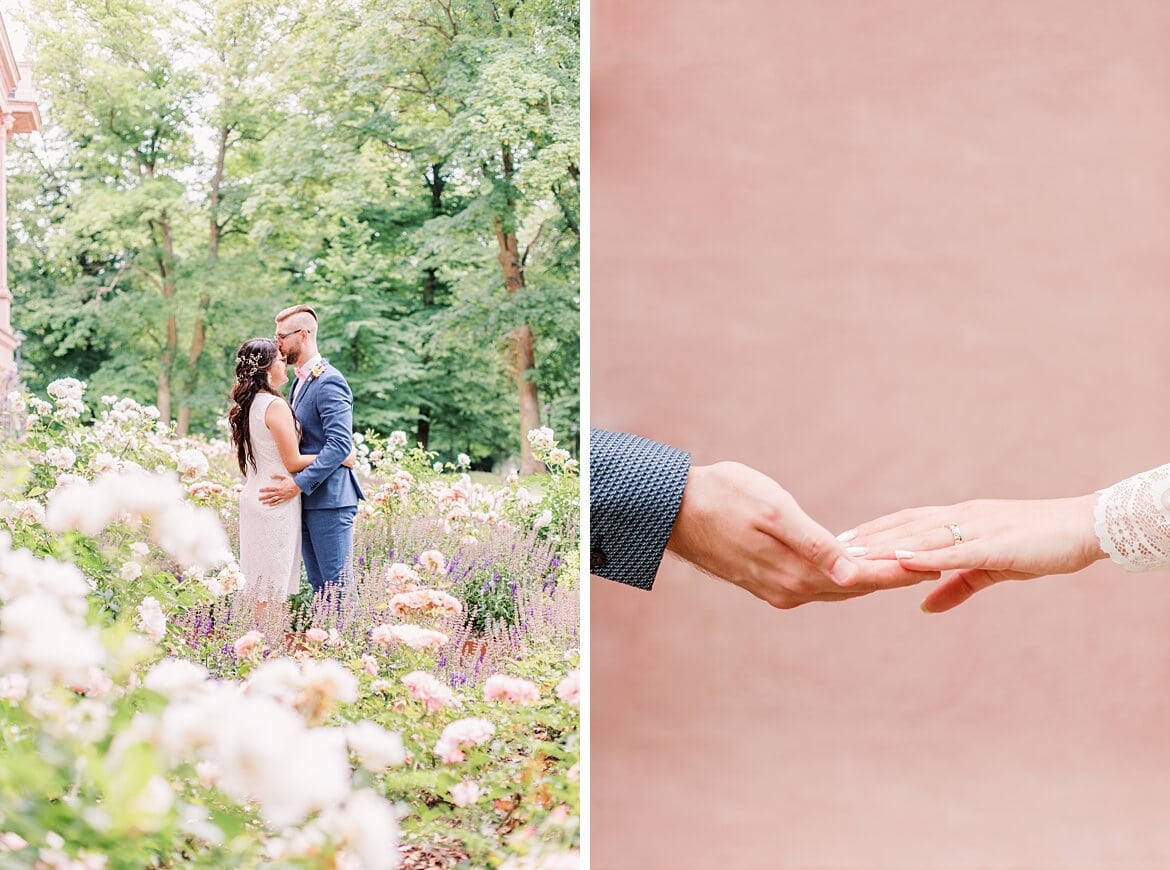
pixel 903 554
pixel 856 551
pixel 843 572
pixel 846 537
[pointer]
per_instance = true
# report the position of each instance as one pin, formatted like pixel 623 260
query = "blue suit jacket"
pixel 324 408
pixel 635 489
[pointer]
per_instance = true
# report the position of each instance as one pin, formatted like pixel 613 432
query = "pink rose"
pixel 432 560
pixel 248 642
pixel 423 687
pixel 425 600
pixel 466 793
pixel 399 574
pixel 10 842
pixel 462 733
pixel 459 512
pixel 388 636
pixel 569 689
pixel 515 689
pixel 559 815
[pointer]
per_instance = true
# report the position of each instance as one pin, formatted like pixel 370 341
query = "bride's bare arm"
pixel 279 420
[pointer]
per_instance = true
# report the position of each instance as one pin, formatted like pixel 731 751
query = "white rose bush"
pixel 151 716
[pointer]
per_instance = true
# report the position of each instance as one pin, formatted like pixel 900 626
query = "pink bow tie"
pixel 301 372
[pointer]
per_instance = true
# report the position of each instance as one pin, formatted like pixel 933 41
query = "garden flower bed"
pixel 151 716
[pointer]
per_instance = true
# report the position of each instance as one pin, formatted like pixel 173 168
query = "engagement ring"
pixel 954 529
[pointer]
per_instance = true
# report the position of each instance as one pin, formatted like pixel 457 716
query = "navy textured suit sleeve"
pixel 635 489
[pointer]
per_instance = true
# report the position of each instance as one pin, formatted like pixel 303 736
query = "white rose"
pixel 376 748
pixel 151 619
pixel 192 464
pixel 542 437
pixel 465 793
pixel 61 457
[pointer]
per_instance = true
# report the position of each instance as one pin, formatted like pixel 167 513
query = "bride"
pixel 267 441
pixel 991 540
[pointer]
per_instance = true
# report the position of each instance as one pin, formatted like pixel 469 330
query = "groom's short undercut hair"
pixel 297 309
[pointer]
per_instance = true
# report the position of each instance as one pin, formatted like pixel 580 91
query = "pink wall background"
pixel 890 252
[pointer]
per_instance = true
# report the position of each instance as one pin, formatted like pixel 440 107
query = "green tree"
pixel 477 123
pixel 406 166
pixel 150 115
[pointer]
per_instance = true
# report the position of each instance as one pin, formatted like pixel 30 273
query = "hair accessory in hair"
pixel 250 364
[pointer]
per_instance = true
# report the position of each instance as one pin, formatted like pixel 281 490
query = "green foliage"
pixel 111 763
pixel 204 166
pixel 489 599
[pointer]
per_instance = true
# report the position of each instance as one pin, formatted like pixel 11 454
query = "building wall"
pixel 891 252
pixel 18 114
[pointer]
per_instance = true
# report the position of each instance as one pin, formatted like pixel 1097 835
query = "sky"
pixel 16 33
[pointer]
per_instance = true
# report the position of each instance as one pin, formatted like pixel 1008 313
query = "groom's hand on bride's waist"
pixel 738 524
pixel 285 489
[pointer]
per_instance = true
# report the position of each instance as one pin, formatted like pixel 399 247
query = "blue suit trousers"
pixel 327 546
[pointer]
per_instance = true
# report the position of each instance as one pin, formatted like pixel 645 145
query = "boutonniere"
pixel 316 371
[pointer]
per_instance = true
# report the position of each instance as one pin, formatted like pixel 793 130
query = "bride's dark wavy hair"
pixel 253 360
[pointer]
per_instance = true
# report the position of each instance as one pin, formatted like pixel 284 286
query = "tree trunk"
pixel 521 341
pixel 198 343
pixel 423 425
pixel 521 344
pixel 430 284
pixel 425 409
pixel 575 174
pixel 167 364
pixel 523 362
pixel 164 389
pixel 199 331
pixel 165 258
pixel 436 184
pixel 509 258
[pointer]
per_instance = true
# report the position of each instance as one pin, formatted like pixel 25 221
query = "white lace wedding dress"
pixel 1133 520
pixel 270 537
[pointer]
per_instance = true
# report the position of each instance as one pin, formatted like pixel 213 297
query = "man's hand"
pixel 285 489
pixel 742 526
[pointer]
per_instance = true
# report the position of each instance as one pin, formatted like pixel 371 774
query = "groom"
pixel 323 405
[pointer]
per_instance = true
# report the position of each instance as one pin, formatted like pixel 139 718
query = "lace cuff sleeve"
pixel 1133 520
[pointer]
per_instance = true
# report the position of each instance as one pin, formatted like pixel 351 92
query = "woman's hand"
pixel 351 460
pixel 988 541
